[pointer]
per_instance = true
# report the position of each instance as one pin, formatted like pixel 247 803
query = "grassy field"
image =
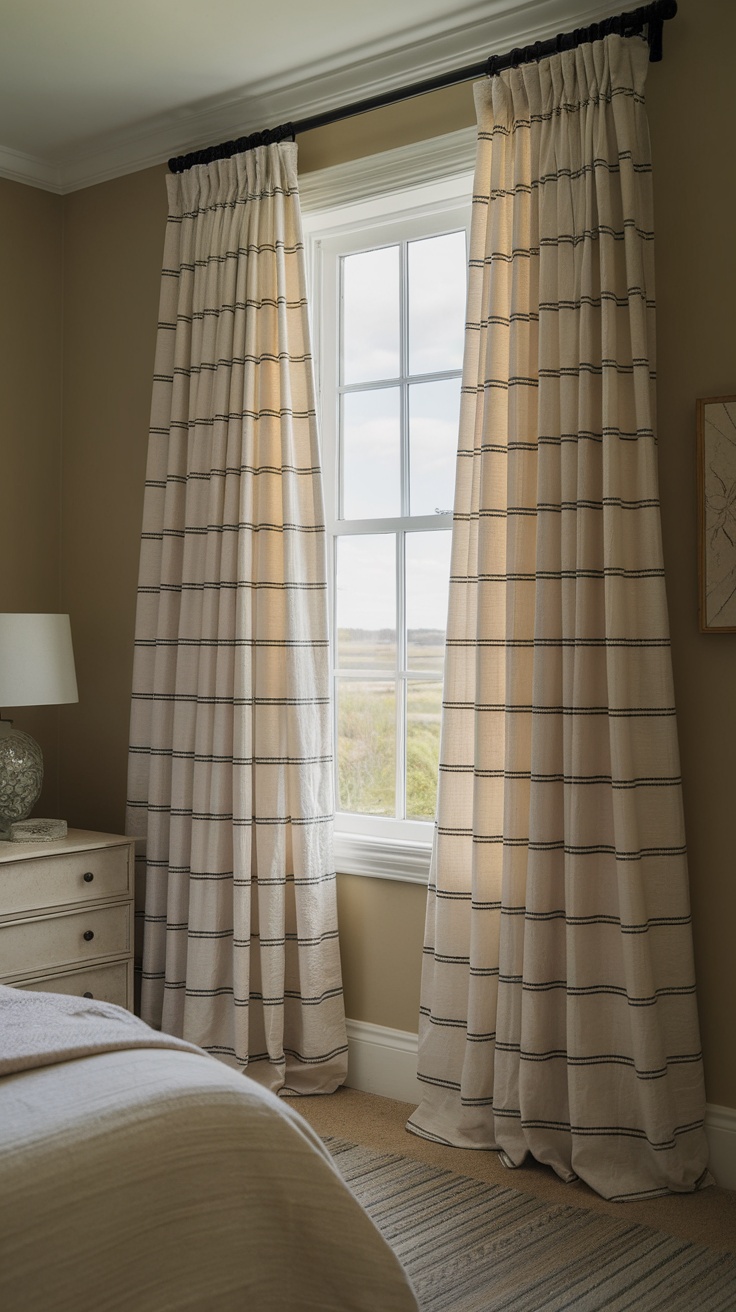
pixel 366 726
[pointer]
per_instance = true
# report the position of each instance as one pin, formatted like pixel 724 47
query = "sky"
pixel 436 271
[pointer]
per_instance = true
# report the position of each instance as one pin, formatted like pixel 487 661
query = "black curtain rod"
pixel 651 16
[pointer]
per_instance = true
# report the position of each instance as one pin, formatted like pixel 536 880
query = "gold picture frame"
pixel 716 443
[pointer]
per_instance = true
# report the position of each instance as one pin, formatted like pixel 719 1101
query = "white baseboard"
pixel 720 1131
pixel 384 1061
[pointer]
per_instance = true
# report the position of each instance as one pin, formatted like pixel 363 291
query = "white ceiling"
pixel 93 88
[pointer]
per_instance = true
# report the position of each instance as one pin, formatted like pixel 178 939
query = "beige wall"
pixel 113 236
pixel 113 243
pixel 692 112
pixel 30 431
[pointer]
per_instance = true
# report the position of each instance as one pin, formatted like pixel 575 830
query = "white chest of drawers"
pixel 66 916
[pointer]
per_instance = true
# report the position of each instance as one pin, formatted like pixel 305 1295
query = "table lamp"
pixel 36 669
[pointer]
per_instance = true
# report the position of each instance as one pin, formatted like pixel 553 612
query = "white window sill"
pixel 382 858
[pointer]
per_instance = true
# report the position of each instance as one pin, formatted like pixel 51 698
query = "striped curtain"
pixel 230 778
pixel 558 1013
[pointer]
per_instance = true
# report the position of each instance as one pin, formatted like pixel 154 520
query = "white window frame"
pixel 420 189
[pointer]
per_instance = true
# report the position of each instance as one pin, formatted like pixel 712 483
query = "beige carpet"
pixel 707 1217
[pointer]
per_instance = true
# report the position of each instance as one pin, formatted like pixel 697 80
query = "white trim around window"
pixel 415 184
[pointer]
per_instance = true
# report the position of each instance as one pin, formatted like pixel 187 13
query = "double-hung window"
pixel 389 284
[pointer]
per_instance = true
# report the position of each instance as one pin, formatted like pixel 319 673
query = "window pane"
pixel 427 586
pixel 370 322
pixel 437 282
pixel 423 714
pixel 371 454
pixel 434 411
pixel 366 747
pixel 366 601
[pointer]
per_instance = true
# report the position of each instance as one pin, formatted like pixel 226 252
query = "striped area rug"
pixel 473 1247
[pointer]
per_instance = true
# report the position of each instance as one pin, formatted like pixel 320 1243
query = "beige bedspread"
pixel 150 1178
pixel 41 1029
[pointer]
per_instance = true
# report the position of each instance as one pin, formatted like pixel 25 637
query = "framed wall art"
pixel 717 513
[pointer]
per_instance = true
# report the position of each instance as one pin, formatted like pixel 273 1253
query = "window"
pixel 388 296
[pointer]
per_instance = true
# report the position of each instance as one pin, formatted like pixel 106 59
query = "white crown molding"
pixel 18 167
pixel 494 26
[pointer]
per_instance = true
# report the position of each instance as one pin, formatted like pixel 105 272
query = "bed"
pixel 137 1172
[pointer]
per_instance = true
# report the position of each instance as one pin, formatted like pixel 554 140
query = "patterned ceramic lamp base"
pixel 21 775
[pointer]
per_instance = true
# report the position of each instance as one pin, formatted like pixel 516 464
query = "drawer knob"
pixel 88 995
pixel 88 877
pixel 88 935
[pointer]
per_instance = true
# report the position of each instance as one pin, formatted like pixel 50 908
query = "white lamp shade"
pixel 36 661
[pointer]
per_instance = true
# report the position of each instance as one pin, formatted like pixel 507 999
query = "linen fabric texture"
pixel 150 1178
pixel 230 781
pixel 558 1010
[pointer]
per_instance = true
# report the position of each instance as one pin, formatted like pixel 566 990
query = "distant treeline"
pixel 422 637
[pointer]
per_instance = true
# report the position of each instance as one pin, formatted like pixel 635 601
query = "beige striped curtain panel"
pixel 558 1013
pixel 230 778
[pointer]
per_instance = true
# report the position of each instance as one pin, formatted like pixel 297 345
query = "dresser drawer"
pixel 43 882
pixel 106 983
pixel 30 946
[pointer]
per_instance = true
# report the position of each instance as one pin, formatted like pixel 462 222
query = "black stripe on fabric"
pixel 605 296
pixel 228 363
pixel 218 644
pixel 601 1059
pixel 519 447
pixel 638 927
pixel 215 585
pixel 244 526
pixel 596 990
pixel 227 416
pixel 281 881
pixel 251 248
pixel 509 644
pixel 184 812
pixel 572 780
pixel 297 880
pixel 289 995
pixel 559 845
pixel 601 1131
pixel 170 753
pixel 229 471
pixel 567 106
pixel 562 240
pixel 447 1022
pixel 598 370
pixel 532 576
pixel 196 699
pixel 223 1050
pixel 450 895
pixel 227 818
pixel 586 170
pixel 239 200
pixel 504 320
pixel 313 941
pixel 487 512
pixel 250 303
pixel 628 712
pixel 594 234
